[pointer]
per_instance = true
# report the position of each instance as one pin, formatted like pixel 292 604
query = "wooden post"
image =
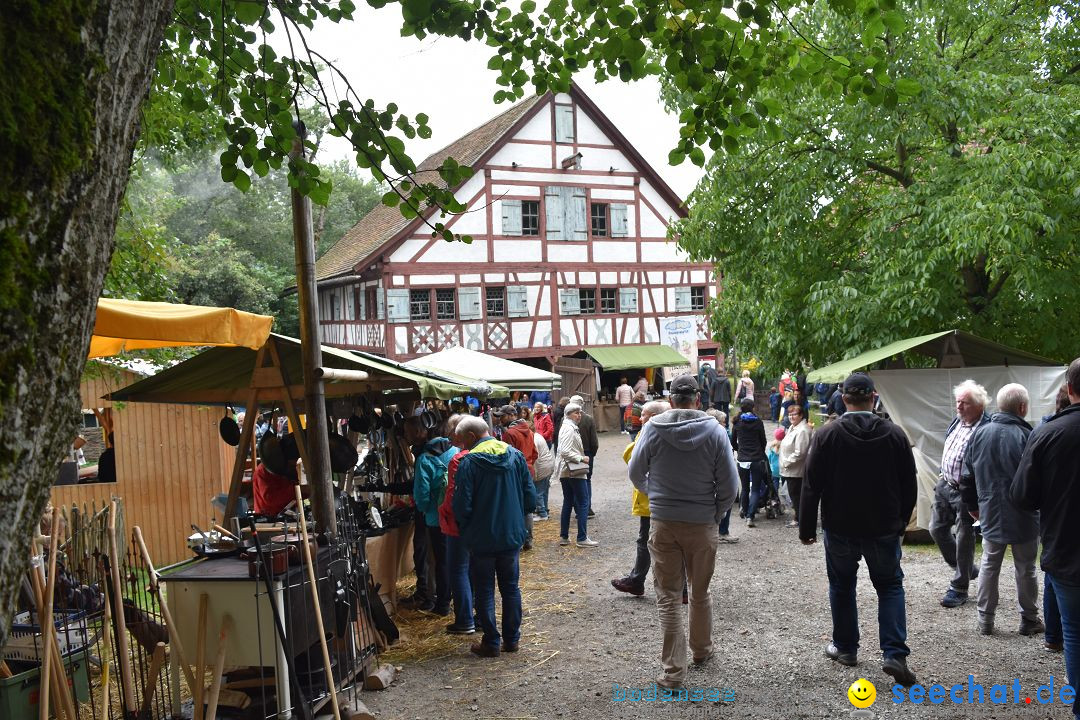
pixel 318 472
pixel 200 657
pixel 127 679
pixel 45 618
pixel 247 438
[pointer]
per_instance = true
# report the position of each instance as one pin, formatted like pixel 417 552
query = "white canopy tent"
pixel 477 366
pixel 920 400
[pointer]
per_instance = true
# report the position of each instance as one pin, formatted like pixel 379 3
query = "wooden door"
pixel 578 378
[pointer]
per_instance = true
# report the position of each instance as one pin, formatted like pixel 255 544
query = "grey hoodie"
pixel 683 462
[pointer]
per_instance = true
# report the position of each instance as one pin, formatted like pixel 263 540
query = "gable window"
pixel 598 215
pixel 608 300
pixel 697 297
pixel 445 307
pixel 496 302
pixel 587 300
pixel 530 217
pixel 419 304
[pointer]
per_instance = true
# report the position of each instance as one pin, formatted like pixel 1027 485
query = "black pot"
pixel 429 419
pixel 343 455
pixel 271 454
pixel 229 430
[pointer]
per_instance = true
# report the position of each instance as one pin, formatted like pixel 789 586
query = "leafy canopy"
pixel 718 54
pixel 857 223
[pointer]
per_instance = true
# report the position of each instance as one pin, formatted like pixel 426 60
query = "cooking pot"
pixel 276 556
pixel 271 455
pixel 295 541
pixel 228 429
pixel 343 456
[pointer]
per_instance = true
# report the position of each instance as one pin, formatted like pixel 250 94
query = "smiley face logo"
pixel 862 693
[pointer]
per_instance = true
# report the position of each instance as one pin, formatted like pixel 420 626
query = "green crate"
pixel 19 693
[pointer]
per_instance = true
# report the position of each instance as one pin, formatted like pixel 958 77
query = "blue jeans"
pixel 588 481
pixel 486 569
pixel 457 562
pixel 725 523
pixel 575 492
pixel 754 491
pixel 882 555
pixel 542 489
pixel 1068 602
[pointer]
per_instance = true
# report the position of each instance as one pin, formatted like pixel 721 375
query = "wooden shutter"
pixel 628 300
pixel 517 301
pixel 682 299
pixel 569 301
pixel 511 217
pixel 468 303
pixel 553 213
pixel 397 306
pixel 619 225
pixel 576 210
pixel 564 123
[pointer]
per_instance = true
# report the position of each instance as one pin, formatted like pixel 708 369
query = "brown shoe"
pixel 627 585
pixel 484 650
pixel 509 647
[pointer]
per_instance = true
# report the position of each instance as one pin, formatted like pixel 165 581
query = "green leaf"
pixel 390 199
pixel 908 87
pixel 242 181
pixel 676 157
pixel 894 20
pixel 248 12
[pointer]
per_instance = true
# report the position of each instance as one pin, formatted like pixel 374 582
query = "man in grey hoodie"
pixel 683 462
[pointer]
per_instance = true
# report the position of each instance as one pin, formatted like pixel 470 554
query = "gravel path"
pixel 770 624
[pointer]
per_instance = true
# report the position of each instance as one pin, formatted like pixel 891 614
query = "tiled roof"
pixel 383 223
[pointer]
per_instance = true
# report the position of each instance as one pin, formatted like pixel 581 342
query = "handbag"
pixel 578 469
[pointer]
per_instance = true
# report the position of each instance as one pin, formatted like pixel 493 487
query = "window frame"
pixel 584 294
pixel 533 228
pixel 501 289
pixel 609 295
pixel 604 216
pixel 413 303
pixel 698 303
pixel 439 304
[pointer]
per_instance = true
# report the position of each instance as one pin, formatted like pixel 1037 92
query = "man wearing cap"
pixel 683 463
pixel 861 470
pixel 590 442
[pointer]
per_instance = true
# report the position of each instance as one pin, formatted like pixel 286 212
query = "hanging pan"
pixel 228 429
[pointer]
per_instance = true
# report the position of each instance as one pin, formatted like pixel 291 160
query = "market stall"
pixel 633 362
pixel 472 367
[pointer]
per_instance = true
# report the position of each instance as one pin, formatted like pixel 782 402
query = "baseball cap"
pixel 578 400
pixel 684 385
pixel 505 410
pixel 858 384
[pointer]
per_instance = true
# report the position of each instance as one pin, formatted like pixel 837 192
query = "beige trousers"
pixel 683 551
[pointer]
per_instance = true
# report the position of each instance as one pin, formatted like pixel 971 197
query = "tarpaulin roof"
pixel 123 325
pixel 473 366
pixel 635 356
pixel 223 375
pixel 976 352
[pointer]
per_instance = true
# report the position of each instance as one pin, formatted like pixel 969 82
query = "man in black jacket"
pixel 862 471
pixel 1048 480
pixel 720 393
pixel 748 441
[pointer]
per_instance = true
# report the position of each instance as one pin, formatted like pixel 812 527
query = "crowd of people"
pixel 689 467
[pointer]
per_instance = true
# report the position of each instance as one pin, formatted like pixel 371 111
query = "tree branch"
pixel 897 175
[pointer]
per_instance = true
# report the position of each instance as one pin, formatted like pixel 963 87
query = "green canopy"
pixel 971 350
pixel 470 367
pixel 635 356
pixel 224 376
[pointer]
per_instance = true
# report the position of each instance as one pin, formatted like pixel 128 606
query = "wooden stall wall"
pixel 170 461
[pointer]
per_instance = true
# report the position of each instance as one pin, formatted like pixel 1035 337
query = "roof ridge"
pixel 481 126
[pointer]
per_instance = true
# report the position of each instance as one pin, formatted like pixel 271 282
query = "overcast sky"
pixel 448 79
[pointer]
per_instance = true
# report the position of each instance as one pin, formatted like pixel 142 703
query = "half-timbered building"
pixel 569 249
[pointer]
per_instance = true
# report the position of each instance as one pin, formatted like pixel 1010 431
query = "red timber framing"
pixel 549 333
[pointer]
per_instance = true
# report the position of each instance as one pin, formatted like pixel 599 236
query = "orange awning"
pixel 124 325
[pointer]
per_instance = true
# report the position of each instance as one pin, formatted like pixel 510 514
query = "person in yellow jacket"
pixel 634 583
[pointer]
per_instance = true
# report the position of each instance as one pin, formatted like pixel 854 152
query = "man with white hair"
pixel 992 456
pixel 950 523
pixel 591 444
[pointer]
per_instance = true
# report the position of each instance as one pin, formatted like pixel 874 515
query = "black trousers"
pixel 424 581
pixel 643 560
pixel 794 488
pixel 437 543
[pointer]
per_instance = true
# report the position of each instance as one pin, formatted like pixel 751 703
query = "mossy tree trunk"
pixel 73 77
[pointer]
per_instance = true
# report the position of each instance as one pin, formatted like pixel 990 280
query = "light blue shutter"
pixel 577 212
pixel 511 217
pixel 468 303
pixel 517 300
pixel 619 225
pixel 628 300
pixel 397 306
pixel 553 213
pixel 380 304
pixel 682 299
pixel 569 302
pixel 564 123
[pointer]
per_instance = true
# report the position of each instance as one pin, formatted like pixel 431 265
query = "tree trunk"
pixel 75 74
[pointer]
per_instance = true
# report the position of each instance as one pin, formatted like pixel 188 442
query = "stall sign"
pixel 680 333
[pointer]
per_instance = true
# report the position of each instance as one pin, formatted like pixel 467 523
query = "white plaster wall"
pixel 699 276
pixel 633 331
pixel 579 327
pixel 543 334
pixel 588 131
pixel 524 154
pixel 401 338
pixel 443 251
pixel 397 280
pixel 600 330
pixel 570 279
pixel 652 331
pixel 566 253
pixel 520 331
pixel 529 277
pixel 545 302
pixel 472 336
pixel 544 178
pixel 407 250
pixel 517 251
pixel 646 301
pixel 587 278
pixel 422 280
pixel 609 278
pixel 539 127
pixel 672 276
pixel 494 277
pixel 563 98
pixel 659 251
pixel 651 226
pixel 655 277
pixel 666 211
pixel 625 278
pixel 470 279
pixel 498 191
pixel 603 160
pixel 604 251
pixel 473 221
pixel 613 195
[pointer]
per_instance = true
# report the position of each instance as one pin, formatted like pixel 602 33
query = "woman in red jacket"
pixel 543 422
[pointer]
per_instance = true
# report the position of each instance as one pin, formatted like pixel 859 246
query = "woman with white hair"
pixel 572 469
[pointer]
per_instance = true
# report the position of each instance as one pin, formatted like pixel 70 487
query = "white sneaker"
pixel 564 541
pixel 750 522
pixel 587 543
